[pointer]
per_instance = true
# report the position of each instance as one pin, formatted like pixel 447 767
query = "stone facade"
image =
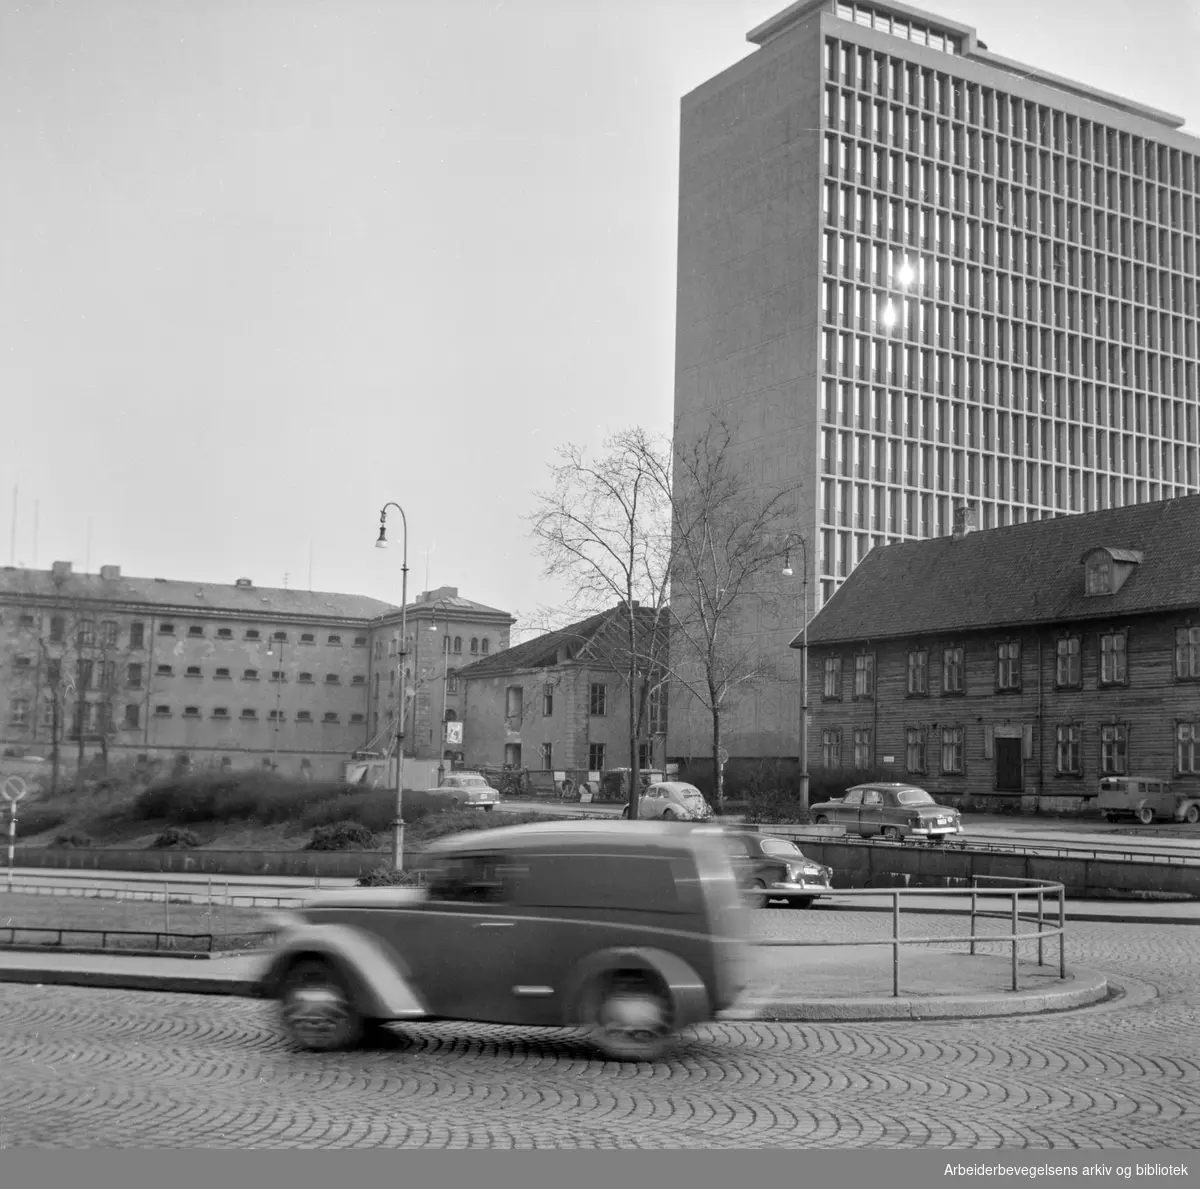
pixel 239 676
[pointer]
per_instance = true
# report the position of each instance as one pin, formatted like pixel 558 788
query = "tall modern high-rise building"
pixel 916 276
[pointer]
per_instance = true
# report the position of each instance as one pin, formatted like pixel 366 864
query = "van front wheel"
pixel 629 1017
pixel 1145 815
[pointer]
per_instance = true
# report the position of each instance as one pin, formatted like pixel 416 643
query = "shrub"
pixel 342 836
pixel 175 837
pixel 205 797
pixel 38 819
pixel 71 841
pixel 461 820
pixel 389 877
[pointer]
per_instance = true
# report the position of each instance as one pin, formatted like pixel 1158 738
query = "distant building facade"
pixel 560 702
pixel 912 273
pixel 199 674
pixel 1023 662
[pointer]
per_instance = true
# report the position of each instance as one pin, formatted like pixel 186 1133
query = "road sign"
pixel 13 789
pixel 722 755
pixel 454 733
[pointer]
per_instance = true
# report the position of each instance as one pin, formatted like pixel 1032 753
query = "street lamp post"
pixel 787 571
pixel 445 683
pixel 278 698
pixel 382 543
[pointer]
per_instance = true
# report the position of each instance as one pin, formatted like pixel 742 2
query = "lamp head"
pixel 787 563
pixel 382 543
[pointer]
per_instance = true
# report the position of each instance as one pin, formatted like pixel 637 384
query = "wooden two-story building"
pixel 1021 662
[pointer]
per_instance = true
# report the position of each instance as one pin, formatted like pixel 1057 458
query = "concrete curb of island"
pixel 1083 987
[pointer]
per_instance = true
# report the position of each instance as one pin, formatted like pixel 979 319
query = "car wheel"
pixel 625 813
pixel 822 820
pixel 1110 817
pixel 454 802
pixel 630 1017
pixel 891 833
pixel 668 815
pixel 316 1008
pixel 488 808
pixel 1193 815
pixel 759 893
pixel 1145 815
pixel 801 901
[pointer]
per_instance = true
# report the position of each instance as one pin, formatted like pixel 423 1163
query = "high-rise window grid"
pixel 1009 309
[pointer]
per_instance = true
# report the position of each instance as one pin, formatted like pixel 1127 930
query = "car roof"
pixel 886 786
pixel 673 784
pixel 535 834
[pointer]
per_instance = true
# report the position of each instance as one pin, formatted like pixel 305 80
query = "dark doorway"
pixel 1008 766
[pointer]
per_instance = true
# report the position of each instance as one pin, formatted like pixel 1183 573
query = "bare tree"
pixel 605 526
pixel 725 537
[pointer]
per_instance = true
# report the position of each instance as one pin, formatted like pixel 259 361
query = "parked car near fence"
pixel 895 811
pixel 772 868
pixel 466 790
pixel 631 931
pixel 672 800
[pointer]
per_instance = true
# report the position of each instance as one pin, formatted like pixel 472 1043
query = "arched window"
pixel 458 644
pixel 451 716
pixel 474 644
pixel 485 645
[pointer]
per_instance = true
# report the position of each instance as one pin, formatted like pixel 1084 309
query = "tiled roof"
pixel 1023 574
pixel 440 606
pixel 598 639
pixel 246 602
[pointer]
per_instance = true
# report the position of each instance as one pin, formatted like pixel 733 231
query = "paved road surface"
pixel 96 1068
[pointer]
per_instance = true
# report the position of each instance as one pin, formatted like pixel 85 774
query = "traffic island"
pixel 932 985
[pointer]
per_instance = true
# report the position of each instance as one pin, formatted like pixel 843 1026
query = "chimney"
pixel 61 570
pixel 244 583
pixel 110 573
pixel 965 521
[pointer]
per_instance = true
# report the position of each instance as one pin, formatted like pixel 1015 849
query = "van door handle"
pixel 495 924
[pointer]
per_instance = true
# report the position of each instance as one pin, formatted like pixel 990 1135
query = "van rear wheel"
pixel 1145 815
pixel 1192 816
pixel 316 1009
pixel 629 1016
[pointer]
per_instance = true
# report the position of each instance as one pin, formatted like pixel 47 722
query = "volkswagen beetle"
pixel 631 931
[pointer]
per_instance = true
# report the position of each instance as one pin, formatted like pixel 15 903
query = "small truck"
pixel 1146 799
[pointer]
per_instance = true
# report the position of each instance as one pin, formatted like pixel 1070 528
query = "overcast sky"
pixel 267 264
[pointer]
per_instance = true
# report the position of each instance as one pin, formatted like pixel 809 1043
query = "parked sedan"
pixel 895 811
pixel 466 789
pixel 672 801
pixel 770 868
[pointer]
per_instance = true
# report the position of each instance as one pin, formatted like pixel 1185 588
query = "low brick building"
pixel 1017 663
pixel 560 702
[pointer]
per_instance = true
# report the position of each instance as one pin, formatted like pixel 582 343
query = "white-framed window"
pixel 831 749
pixel 1114 749
pixel 862 747
pixel 864 675
pixel 547 700
pixel 595 757
pixel 952 669
pixel 1187 653
pixel 18 712
pixel 1066 670
pixel 833 677
pixel 547 757
pixel 1187 748
pixel 952 749
pixel 914 750
pixel 1068 759
pixel 1112 658
pixel 918 671
pixel 1008 664
pixel 598 698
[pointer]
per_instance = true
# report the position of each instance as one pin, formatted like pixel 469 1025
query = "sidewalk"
pixel 933 984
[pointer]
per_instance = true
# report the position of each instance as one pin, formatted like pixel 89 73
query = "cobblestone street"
pixel 124 1068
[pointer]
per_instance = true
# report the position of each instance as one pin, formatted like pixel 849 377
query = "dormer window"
pixel 1106 570
pixel 1099 574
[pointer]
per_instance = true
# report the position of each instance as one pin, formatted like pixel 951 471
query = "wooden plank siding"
pixel 1149 704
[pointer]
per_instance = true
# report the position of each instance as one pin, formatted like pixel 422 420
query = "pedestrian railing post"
pixel 1041 897
pixel 895 944
pixel 1062 931
pixel 1014 940
pixel 974 886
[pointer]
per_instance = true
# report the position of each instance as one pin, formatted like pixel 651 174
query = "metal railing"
pixel 104 935
pixel 1013 889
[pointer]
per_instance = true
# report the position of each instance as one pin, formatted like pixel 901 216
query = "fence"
pixel 1034 888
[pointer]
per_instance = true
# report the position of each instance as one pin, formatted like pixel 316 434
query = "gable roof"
pixel 182 597
pixel 1020 575
pixel 596 639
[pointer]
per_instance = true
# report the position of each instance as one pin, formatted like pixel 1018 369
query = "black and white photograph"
pixel 599 576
